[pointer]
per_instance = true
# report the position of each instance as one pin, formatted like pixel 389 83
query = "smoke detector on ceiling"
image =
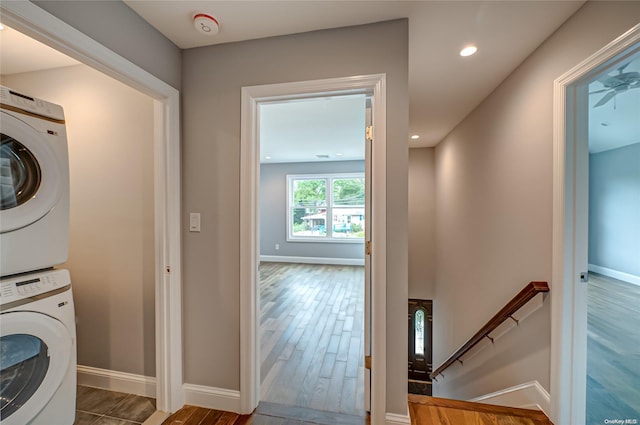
pixel 205 24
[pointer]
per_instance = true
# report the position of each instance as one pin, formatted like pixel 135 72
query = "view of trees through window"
pixel 314 198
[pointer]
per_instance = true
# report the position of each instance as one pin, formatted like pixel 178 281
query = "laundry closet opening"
pixel 313 223
pixel 110 129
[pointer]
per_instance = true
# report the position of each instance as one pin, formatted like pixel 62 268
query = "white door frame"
pixel 249 238
pixel 568 294
pixel 35 22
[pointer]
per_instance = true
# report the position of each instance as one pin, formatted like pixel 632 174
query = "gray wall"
pixel 494 209
pixel 117 27
pixel 212 78
pixel 614 209
pixel 273 211
pixel 111 244
pixel 422 223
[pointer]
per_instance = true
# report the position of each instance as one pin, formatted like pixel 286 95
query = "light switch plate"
pixel 194 222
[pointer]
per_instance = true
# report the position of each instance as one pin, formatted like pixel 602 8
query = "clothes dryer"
pixel 34 184
pixel 37 349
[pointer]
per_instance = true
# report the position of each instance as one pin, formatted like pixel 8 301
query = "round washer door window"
pixel 20 174
pixel 35 354
pixel 31 174
pixel 24 363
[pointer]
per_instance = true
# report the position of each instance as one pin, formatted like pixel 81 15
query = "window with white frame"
pixel 326 207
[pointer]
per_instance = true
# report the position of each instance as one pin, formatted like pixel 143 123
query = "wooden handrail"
pixel 531 290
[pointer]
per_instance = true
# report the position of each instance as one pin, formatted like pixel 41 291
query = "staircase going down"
pixel 426 410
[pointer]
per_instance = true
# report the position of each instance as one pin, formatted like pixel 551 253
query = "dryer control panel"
pixel 23 103
pixel 15 288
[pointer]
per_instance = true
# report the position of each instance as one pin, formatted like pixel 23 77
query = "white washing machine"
pixel 37 349
pixel 34 184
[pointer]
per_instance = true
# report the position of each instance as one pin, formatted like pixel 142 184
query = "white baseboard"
pixel 626 277
pixel 212 398
pixel 530 395
pixel 313 260
pixel 117 381
pixel 395 419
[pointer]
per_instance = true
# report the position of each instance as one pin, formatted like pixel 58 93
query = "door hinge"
pixel 368 133
pixel 367 362
pixel 584 277
pixel 367 248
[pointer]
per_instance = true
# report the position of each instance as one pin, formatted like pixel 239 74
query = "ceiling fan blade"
pixel 598 91
pixel 607 97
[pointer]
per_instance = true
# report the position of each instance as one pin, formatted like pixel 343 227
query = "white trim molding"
pixel 252 96
pixel 530 395
pixel 625 277
pixel 112 380
pixel 568 297
pixel 212 398
pixel 157 418
pixel 312 260
pixel 35 22
pixel 396 419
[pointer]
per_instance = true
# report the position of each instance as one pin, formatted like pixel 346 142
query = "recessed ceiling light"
pixel 415 136
pixel 338 154
pixel 267 157
pixel 468 50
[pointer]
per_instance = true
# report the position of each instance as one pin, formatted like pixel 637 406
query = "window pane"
pixel 309 193
pixel 309 222
pixel 309 209
pixel 419 332
pixel 348 222
pixel 348 192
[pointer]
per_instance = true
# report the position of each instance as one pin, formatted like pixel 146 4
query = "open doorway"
pixel 167 385
pixel 375 229
pixel 571 220
pixel 613 295
pixel 312 234
pixel 111 213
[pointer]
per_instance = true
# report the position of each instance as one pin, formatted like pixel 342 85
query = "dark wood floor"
pixel 613 350
pixel 265 414
pixel 312 338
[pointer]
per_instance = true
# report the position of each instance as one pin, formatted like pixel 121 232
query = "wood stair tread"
pixel 425 410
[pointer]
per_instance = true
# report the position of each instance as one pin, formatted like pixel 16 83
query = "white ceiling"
pixel 617 122
pixel 20 53
pixel 443 86
pixel 310 130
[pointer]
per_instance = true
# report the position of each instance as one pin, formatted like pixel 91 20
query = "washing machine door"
pixel 30 174
pixel 35 354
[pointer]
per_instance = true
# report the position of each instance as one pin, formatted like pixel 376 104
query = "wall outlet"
pixel 277 246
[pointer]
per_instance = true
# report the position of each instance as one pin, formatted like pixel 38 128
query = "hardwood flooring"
pixel 613 350
pixel 312 336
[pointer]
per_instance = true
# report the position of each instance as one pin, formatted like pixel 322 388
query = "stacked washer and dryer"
pixel 37 318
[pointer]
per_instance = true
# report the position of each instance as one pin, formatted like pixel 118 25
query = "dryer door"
pixel 30 174
pixel 35 353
